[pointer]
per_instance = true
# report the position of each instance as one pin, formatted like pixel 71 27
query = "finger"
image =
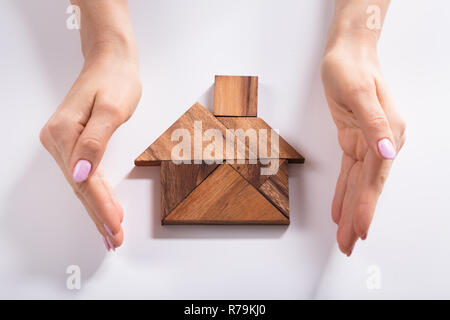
pixel 110 190
pixel 373 176
pixel 346 235
pixel 110 242
pixel 90 146
pixel 96 192
pixel 341 185
pixel 51 147
pixel 374 123
pixel 397 124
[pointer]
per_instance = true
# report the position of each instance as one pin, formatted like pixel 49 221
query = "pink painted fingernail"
pixel 108 230
pixel 111 245
pixel 81 170
pixel 386 149
pixel 106 243
pixel 364 236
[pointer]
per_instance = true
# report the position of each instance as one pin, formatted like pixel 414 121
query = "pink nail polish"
pixel 386 149
pixel 364 236
pixel 106 243
pixel 111 245
pixel 81 170
pixel 108 230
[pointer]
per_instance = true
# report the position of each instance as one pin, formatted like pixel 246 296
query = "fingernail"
pixel 364 236
pixel 350 252
pixel 111 245
pixel 108 230
pixel 106 243
pixel 81 170
pixel 386 149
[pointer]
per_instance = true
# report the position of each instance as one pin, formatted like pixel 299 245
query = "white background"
pixel 183 44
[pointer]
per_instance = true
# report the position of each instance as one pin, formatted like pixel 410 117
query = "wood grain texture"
pixel 276 189
pixel 225 197
pixel 178 181
pixel 285 150
pixel 161 149
pixel 252 172
pixel 236 96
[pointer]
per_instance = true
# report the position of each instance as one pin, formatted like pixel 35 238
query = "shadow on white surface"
pixel 194 231
pixel 314 181
pixel 47 225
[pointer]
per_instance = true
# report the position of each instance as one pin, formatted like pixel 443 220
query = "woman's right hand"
pixel 103 97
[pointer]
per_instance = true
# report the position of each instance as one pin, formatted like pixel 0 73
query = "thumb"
pixel 374 124
pixel 91 144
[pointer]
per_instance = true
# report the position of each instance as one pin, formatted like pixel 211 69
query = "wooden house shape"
pixel 232 192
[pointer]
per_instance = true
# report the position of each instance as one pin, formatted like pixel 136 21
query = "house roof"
pixel 161 148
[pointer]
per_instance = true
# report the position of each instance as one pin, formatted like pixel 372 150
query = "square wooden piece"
pixel 236 96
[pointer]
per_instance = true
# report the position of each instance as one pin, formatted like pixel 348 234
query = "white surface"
pixel 43 228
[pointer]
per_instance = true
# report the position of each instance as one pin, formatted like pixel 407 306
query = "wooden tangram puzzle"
pixel 222 188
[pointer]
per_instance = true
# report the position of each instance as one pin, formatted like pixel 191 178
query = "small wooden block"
pixel 285 150
pixel 236 96
pixel 177 181
pixel 225 197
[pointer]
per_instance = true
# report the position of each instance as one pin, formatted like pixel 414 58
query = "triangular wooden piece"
pixel 285 150
pixel 178 181
pixel 201 119
pixel 252 172
pixel 225 197
pixel 275 187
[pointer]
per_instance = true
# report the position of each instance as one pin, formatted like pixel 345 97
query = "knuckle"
pixel 377 123
pixel 58 124
pixel 360 89
pixel 381 180
pixel 114 110
pixel 54 127
pixel 91 145
pixel 43 137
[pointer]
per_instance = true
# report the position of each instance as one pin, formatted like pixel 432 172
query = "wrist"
pixel 118 45
pixel 106 28
pixel 352 35
pixel 357 23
